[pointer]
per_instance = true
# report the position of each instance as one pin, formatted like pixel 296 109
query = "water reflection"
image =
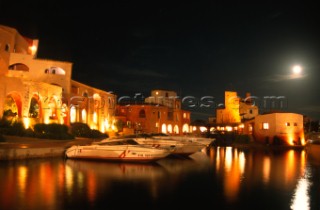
pixel 229 177
pixel 240 169
pixel 301 198
pixel 29 184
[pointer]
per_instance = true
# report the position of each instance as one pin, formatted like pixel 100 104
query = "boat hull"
pixel 128 153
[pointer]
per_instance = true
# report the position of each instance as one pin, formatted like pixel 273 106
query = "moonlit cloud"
pixel 281 78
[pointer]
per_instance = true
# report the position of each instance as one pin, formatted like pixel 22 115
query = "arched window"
pixel 19 67
pixel 34 110
pixel 55 70
pixel 142 113
pixel 73 113
pixel 52 106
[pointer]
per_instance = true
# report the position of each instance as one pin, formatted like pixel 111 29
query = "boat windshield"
pixel 120 142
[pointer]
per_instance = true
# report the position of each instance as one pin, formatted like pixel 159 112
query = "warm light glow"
pixel 22 177
pixel 73 114
pixel 203 129
pixel 84 115
pixel 265 126
pixel 164 128
pixel 33 49
pixel 228 128
pixel 169 128
pixel 242 162
pixel 95 117
pixel 26 122
pixel 228 159
pixel 69 180
pixel 185 128
pixel 266 168
pixel 297 69
pixel 176 129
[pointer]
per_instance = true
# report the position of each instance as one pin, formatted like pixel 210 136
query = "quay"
pixel 17 148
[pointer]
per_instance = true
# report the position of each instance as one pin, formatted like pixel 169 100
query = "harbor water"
pixel 220 178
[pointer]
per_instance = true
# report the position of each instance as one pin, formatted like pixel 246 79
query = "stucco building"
pixel 242 115
pixel 42 91
pixel 237 113
pixel 279 128
pixel 159 113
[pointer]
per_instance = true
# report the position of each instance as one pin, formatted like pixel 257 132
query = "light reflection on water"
pixel 226 176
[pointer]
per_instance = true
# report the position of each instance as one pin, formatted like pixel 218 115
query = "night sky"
pixel 196 48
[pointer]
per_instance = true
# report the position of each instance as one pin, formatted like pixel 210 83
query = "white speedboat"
pixel 181 148
pixel 117 151
pixel 176 147
pixel 202 140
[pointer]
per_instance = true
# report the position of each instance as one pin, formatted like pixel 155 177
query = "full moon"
pixel 297 70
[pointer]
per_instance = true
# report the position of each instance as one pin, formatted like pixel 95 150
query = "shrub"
pixel 14 129
pixel 52 131
pixel 80 129
pixel 83 130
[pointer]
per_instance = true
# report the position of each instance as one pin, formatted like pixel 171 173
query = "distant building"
pixel 42 91
pixel 242 116
pixel 237 113
pixel 279 128
pixel 159 113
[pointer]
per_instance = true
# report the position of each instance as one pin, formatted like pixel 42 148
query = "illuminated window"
pixel 73 114
pixel 184 115
pixel 265 126
pixel 95 117
pixel 169 128
pixel 52 109
pixel 176 129
pixel 84 116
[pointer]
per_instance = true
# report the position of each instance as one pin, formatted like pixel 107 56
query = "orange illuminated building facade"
pixel 37 90
pixel 237 113
pixel 279 128
pixel 159 113
pixel 242 116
